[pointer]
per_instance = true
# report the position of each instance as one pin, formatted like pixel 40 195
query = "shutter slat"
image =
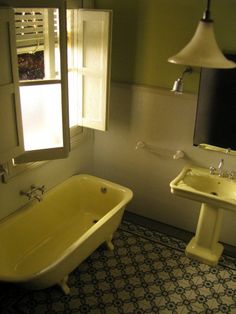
pixel 28 10
pixel 27 31
pixel 36 17
pixel 25 38
pixel 29 26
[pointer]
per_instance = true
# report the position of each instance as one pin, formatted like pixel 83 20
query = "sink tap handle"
pixel 231 175
pixel 42 189
pixel 220 168
pixel 212 169
pixel 221 163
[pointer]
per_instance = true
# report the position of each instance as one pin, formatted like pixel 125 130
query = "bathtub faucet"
pixel 35 192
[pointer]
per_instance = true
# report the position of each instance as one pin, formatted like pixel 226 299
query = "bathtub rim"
pixel 27 206
pixel 128 195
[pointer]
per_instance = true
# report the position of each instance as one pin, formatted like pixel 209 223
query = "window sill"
pixel 76 136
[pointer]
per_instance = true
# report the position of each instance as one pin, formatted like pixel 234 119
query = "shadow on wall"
pixel 125 22
pixel 145 34
pixel 121 116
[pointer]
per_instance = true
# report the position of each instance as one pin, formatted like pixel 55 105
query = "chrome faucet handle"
pixel 34 188
pixel 221 163
pixel 34 192
pixel 28 194
pixel 42 189
pixel 220 168
pixel 212 170
pixel 231 175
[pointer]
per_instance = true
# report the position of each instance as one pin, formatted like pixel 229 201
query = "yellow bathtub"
pixel 43 242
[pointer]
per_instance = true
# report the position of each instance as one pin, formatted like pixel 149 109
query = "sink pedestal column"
pixel 205 246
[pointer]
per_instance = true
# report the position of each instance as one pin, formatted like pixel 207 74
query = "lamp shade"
pixel 203 50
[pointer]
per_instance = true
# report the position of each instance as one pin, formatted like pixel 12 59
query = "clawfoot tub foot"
pixel 109 243
pixel 64 286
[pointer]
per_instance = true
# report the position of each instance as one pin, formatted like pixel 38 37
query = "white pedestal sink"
pixel 215 193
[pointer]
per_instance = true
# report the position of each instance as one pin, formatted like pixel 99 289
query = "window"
pixel 37 39
pixel 40 118
pixel 42 68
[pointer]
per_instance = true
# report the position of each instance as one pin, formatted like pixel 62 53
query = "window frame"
pixel 60 152
pixel 63 151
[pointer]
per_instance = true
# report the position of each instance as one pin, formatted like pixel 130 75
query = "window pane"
pixel 31 66
pixel 41 115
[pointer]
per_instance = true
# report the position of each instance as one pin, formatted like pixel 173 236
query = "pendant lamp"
pixel 203 50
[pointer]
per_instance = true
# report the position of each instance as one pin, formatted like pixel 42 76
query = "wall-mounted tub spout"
pixel 34 192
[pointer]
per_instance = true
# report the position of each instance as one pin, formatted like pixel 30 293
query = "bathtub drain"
pixel 104 190
pixel 214 193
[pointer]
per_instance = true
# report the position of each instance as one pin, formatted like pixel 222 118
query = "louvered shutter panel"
pixel 29 28
pixel 32 27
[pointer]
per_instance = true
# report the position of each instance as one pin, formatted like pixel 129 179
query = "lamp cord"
pixel 206 15
pixel 188 70
pixel 208 5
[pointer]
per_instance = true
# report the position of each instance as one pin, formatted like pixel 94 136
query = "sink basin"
pixel 215 193
pixel 199 185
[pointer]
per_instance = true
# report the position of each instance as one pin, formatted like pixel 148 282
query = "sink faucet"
pixel 230 174
pixel 220 168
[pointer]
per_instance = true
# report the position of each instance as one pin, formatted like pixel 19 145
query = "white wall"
pixel 166 122
pixel 51 173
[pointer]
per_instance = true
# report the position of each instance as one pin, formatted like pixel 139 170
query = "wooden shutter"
pixel 94 43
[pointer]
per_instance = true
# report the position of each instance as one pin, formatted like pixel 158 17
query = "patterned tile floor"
pixel 146 273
